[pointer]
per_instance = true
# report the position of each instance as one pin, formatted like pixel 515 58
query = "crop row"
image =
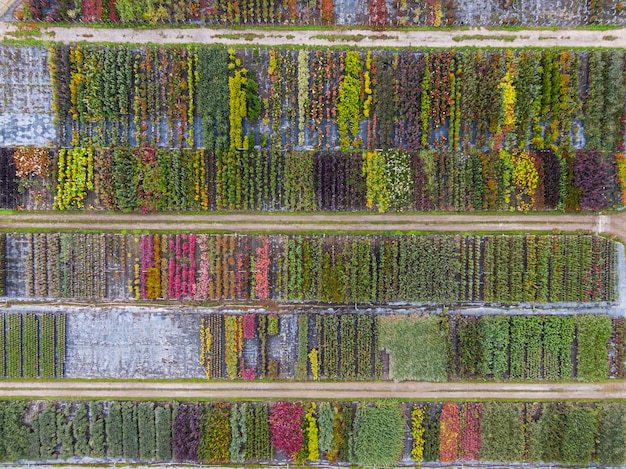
pixel 62 265
pixel 32 345
pixel 363 269
pixel 506 100
pixel 374 13
pixel 362 434
pixel 419 347
pixel 3 271
pixel 149 179
pixel 9 196
pixel 332 269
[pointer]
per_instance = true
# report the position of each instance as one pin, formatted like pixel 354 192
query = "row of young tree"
pixel 282 98
pixel 32 345
pixel 338 269
pixel 349 347
pixel 375 13
pixel 365 433
pixel 151 179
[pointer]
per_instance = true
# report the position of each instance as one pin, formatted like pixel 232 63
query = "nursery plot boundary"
pixel 255 344
pixel 274 432
pixel 337 269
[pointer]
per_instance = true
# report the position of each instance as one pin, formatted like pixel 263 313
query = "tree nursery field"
pixel 191 128
pixel 380 433
pixel 205 128
pixel 377 13
pixel 309 344
pixel 340 269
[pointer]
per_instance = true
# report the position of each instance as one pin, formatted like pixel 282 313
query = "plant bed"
pixel 308 432
pixel 366 269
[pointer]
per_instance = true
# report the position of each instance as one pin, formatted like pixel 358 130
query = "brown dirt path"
pixel 476 37
pixel 313 390
pixel 614 224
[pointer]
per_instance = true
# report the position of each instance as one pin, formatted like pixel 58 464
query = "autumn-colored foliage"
pixel 286 421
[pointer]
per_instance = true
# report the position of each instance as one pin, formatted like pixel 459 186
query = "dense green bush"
pixel 147 432
pixel 502 432
pixel 470 355
pixel 33 448
pixel 130 440
pixel 96 429
pixel 378 433
pixel 612 434
pixel 495 332
pixel 216 435
pixel 14 431
pixel 238 432
pixel 325 422
pixel 552 429
pixel 263 447
pixel 163 428
pixel 579 437
pixel 431 433
pixel 80 426
pixel 114 433
pixel 65 433
pixel 417 347
pixel 48 432
pixel 213 96
pixel 593 333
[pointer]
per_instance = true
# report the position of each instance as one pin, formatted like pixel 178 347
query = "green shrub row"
pixel 371 434
pixel 32 345
pixel 346 346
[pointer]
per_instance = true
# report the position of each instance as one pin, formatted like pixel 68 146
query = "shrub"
pixel 216 434
pixel 130 441
pixel 418 428
pixel 272 324
pixel 552 425
pixel 48 432
pixel 469 343
pixel 96 430
pixel 612 434
pixel 115 447
pixel 595 176
pixel 378 434
pixel 470 432
pixel 417 347
pixel 163 429
pixel 286 421
pixel 238 432
pixel 495 332
pixel 263 447
pixel 147 431
pixel 301 361
pixel 449 432
pixel 33 441
pixel 186 432
pixel 80 426
pixel 326 414
pixel 312 434
pixel 580 434
pixel 65 435
pixel 593 333
pixel 14 431
pixel 501 432
pixel 213 96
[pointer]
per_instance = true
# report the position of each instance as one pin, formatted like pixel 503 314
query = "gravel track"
pixel 475 37
pixel 313 390
pixel 281 222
